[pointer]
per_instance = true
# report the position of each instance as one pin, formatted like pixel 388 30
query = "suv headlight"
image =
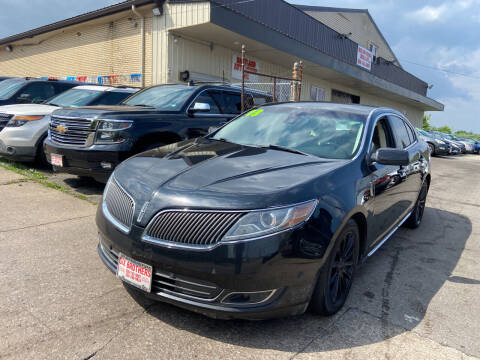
pixel 21 120
pixel 264 222
pixel 110 132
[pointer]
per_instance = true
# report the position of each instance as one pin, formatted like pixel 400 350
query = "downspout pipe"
pixel 142 31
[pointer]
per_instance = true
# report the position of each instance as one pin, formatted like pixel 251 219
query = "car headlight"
pixel 109 132
pixel 21 120
pixel 259 223
pixel 439 141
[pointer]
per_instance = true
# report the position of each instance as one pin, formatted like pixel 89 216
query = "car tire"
pixel 336 277
pixel 415 218
pixel 41 156
pixel 432 149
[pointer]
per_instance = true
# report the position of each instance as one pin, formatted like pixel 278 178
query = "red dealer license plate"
pixel 134 273
pixel 57 160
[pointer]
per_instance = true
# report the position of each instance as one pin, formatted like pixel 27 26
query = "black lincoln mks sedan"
pixel 269 214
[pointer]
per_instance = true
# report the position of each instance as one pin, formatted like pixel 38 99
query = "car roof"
pixel 31 79
pixel 107 88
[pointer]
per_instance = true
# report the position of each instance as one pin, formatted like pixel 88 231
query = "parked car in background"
pixel 462 148
pixel 469 144
pixel 437 146
pixel 31 90
pixel 23 128
pixel 268 215
pixel 477 147
pixel 92 141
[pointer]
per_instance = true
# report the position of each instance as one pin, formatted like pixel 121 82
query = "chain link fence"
pixel 258 88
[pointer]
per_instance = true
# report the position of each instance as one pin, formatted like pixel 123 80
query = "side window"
pixel 206 98
pixel 411 133
pixel 230 102
pixel 382 135
pixel 39 91
pixel 111 98
pixel 400 132
pixel 59 87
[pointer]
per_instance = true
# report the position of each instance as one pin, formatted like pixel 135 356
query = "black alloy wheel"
pixel 432 149
pixel 336 277
pixel 415 219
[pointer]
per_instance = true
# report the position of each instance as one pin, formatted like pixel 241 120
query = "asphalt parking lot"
pixel 416 298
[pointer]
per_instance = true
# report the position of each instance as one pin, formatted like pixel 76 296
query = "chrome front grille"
pixel 163 282
pixel 4 119
pixel 192 228
pixel 71 131
pixel 119 205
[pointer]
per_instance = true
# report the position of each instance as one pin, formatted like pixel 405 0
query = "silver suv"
pixel 23 127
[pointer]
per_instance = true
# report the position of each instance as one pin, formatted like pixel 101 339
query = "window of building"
pixel 317 94
pixel 344 98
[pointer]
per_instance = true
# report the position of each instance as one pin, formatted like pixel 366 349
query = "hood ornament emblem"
pixel 143 210
pixel 62 129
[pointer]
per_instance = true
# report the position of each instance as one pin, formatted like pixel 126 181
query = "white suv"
pixel 23 128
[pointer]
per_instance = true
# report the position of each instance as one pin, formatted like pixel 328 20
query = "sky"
pixel 436 40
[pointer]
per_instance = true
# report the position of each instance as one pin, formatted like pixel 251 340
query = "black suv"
pixel 92 141
pixel 31 90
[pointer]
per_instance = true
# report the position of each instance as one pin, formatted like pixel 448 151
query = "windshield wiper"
pixel 143 105
pixel 52 104
pixel 281 148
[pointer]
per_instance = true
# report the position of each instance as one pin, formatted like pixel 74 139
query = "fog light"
pixel 248 298
pixel 106 165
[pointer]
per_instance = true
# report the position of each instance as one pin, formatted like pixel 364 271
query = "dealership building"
pixel 345 56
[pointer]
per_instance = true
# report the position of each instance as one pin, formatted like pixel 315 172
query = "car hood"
pixel 223 175
pixel 27 109
pixel 107 111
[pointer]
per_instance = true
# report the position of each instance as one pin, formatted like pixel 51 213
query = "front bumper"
pixel 259 266
pixel 21 143
pixel 88 161
pixel 442 149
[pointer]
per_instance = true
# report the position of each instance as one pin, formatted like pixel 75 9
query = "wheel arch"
pixel 361 221
pixel 359 216
pixel 164 137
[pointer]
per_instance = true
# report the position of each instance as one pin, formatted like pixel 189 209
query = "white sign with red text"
pixel 134 272
pixel 364 58
pixel 250 65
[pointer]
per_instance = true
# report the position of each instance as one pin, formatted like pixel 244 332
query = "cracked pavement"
pixel 416 298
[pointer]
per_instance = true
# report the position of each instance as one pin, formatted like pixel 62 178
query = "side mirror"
pixel 388 156
pixel 200 107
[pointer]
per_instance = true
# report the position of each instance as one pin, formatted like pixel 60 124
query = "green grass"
pixel 21 169
pixel 37 177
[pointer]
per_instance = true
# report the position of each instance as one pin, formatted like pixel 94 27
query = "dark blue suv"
pixel 31 90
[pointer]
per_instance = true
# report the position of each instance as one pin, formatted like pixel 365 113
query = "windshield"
pixel 10 87
pixel 165 98
pixel 312 130
pixel 74 97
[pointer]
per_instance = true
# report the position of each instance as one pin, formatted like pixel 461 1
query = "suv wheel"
pixel 41 157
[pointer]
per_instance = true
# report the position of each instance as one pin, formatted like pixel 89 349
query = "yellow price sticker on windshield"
pixel 255 112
